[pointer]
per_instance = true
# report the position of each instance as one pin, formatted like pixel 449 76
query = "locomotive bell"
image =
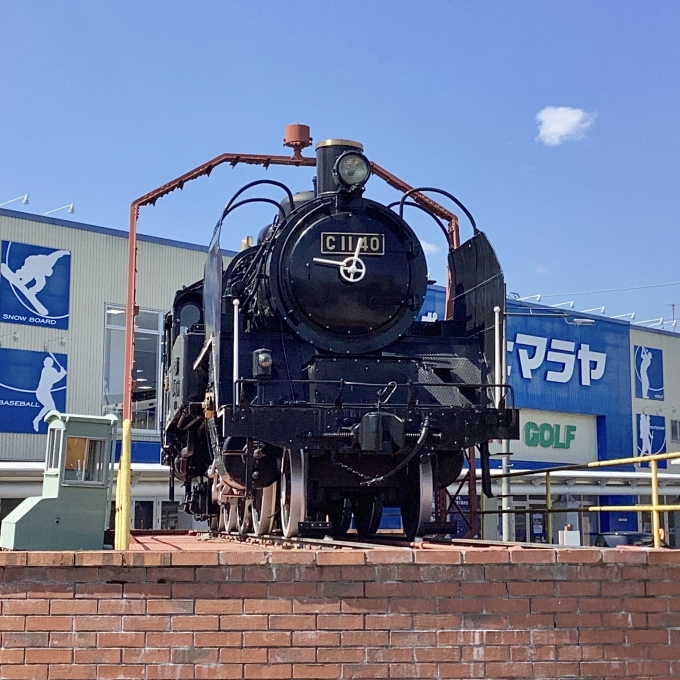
pixel 340 165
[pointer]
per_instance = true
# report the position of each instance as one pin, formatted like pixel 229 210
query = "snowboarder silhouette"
pixel 49 377
pixel 37 269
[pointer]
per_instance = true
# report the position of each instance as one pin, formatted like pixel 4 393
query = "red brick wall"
pixel 471 613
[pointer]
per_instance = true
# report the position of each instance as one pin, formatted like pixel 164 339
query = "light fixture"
pixel 71 209
pixel 580 322
pixel 23 199
pixel 352 170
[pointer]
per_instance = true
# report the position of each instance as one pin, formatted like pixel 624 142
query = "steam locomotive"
pixel 300 391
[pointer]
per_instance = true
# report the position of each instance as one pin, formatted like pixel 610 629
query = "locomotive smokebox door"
pixel 380 433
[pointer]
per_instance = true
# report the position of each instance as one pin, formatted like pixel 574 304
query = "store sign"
pixel 549 436
pixel 553 438
pixel 34 285
pixel 648 373
pixel 651 434
pixel 31 385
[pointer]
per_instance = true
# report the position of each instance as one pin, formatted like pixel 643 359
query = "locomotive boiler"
pixel 301 391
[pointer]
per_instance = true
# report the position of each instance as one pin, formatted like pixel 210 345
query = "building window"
pixel 675 430
pixel 146 368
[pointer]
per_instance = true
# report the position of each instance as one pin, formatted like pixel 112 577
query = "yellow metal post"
pixel 548 507
pixel 655 503
pixel 123 489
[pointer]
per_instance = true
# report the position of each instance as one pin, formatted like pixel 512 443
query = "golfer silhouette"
pixel 645 435
pixel 49 377
pixel 644 367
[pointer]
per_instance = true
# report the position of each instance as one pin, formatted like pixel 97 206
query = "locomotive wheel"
pixel 263 509
pixel 416 503
pixel 244 511
pixel 340 516
pixel 293 489
pixel 367 515
pixel 230 513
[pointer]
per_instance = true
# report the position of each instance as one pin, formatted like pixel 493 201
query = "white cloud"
pixel 557 124
pixel 430 248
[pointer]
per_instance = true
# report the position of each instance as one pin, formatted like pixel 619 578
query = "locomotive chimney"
pixel 327 153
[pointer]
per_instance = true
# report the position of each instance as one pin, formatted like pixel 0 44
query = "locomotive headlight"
pixel 352 169
pixel 262 363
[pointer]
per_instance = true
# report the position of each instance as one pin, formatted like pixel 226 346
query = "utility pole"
pixel 673 305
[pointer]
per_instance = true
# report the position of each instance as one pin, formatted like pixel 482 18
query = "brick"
pixel 277 671
pixel 12 559
pixel 49 623
pixel 9 656
pixel 317 671
pixel 12 622
pixel 387 622
pixel 608 669
pixel 243 590
pixel 292 655
pixel 578 588
pixel 487 653
pixel 340 622
pixel 485 555
pixel 80 640
pixel 438 556
pixel 365 605
pixel 340 557
pixel 24 639
pixel 212 639
pixel 97 656
pixel 509 670
pixel 578 556
pixel 255 557
pixel 120 607
pixel 98 558
pixel 170 606
pixel 625 556
pixel 644 604
pixel 73 607
pixel 339 655
pixel 166 639
pixel 169 671
pixel 368 671
pixel 436 621
pixel 292 622
pixel 437 654
pixel 97 623
pixel 221 671
pixel 221 606
pixel 148 591
pixel 95 590
pixel 50 559
pixel 412 639
pixel 388 654
pixel 188 591
pixel 175 574
pixel 47 656
pixel 363 639
pixel 340 589
pixel 198 558
pixel 119 639
pixel 121 672
pixel 194 655
pixel 413 670
pixel 243 622
pixel 24 607
pixel 389 556
pixel 71 672
pixel 195 623
pixel 316 606
pixel 137 558
pixel 292 557
pixel 541 605
pixel 269 639
pixel 308 638
pixel 32 672
pixel 531 653
pixel 145 656
pixel 248 655
pixel 146 623
pixel 532 556
pixel 256 606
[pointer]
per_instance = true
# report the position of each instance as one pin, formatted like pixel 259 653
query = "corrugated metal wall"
pixel 98 277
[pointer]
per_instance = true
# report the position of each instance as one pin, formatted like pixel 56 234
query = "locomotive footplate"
pixel 299 427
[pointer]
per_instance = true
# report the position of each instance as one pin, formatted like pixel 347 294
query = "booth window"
pixel 675 430
pixel 85 460
pixel 53 446
pixel 146 368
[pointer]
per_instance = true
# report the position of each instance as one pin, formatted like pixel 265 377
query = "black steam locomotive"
pixel 300 392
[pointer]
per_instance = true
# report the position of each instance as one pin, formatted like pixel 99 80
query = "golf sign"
pixel 34 285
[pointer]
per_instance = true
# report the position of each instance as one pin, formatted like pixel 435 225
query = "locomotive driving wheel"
pixel 263 509
pixel 244 513
pixel 367 515
pixel 229 512
pixel 417 496
pixel 293 491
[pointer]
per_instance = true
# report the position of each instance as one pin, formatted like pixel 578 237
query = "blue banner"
pixel 434 305
pixel 34 285
pixel 558 362
pixel 31 385
pixel 648 373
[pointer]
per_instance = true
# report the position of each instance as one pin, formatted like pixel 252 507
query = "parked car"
pixel 614 539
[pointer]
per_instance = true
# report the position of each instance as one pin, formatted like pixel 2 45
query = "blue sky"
pixel 102 102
